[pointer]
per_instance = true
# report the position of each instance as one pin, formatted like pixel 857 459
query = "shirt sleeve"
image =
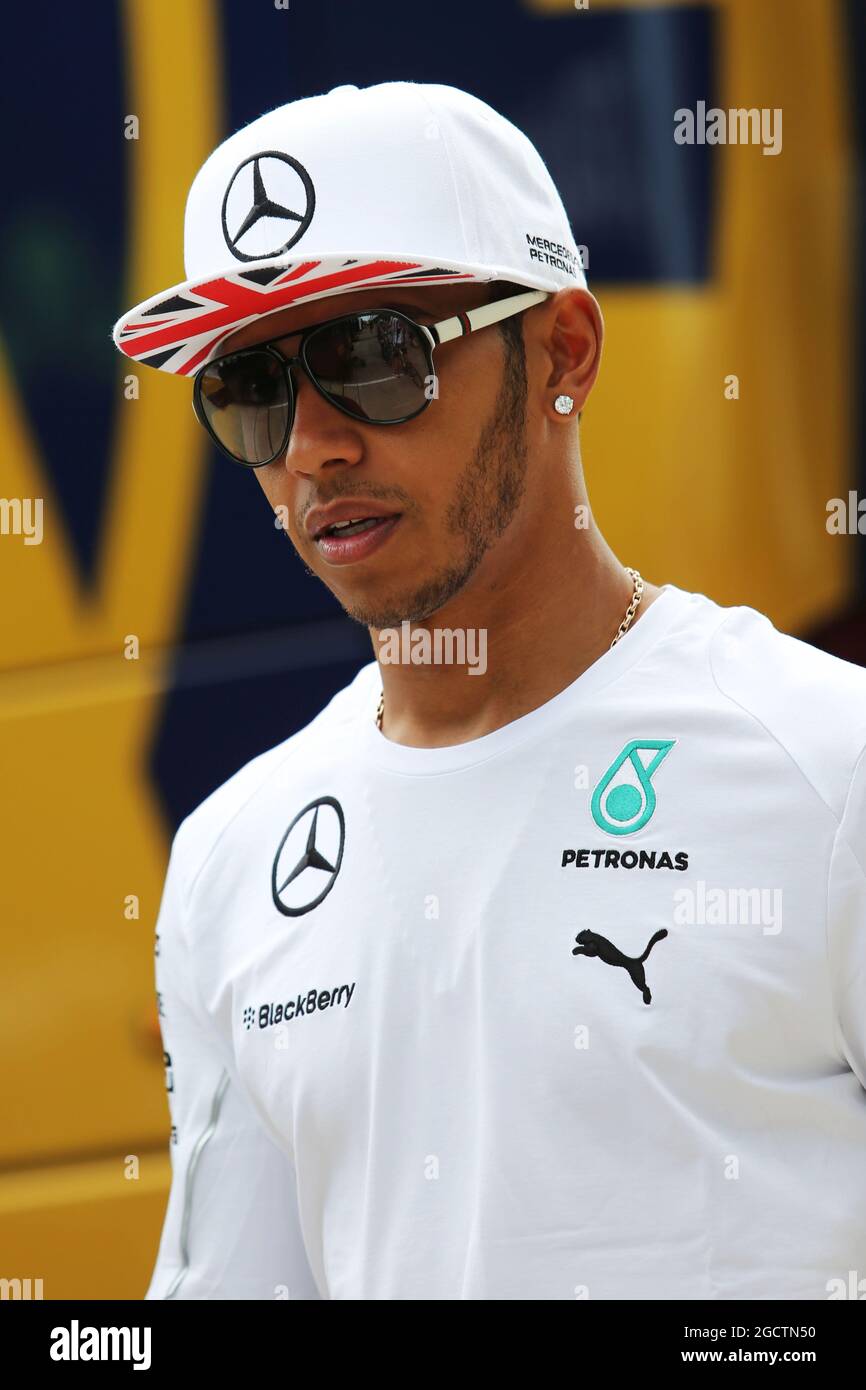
pixel 231 1227
pixel 846 923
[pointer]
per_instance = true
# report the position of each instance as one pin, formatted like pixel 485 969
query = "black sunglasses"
pixel 375 365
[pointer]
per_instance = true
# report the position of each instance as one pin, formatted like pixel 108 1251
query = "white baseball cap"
pixel 399 183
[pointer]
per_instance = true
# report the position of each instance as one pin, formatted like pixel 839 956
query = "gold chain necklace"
pixel 636 597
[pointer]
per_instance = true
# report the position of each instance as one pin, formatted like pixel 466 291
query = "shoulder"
pixel 813 704
pixel 203 828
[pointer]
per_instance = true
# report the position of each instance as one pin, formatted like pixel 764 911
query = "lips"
pixel 347 546
pixel 350 517
pixel 349 528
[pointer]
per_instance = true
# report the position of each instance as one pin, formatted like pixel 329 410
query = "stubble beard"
pixel 486 499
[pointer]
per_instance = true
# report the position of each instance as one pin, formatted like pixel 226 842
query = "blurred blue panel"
pixel 63 238
pixel 595 92
pixel 235 699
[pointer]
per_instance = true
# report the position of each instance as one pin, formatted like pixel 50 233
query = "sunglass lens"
pixel 245 401
pixel 374 365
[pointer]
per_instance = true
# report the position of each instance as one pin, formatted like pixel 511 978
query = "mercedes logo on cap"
pixel 308 859
pixel 266 195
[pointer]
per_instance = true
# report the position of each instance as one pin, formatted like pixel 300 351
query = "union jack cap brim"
pixel 182 329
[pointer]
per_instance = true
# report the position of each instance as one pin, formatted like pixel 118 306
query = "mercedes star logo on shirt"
pixel 308 858
pixel 264 193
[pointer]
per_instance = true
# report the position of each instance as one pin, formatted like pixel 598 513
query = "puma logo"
pixel 591 944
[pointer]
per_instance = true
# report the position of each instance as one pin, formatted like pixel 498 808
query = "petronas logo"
pixel 625 798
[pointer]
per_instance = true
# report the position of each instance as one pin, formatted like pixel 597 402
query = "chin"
pixel 376 615
pixel 382 606
pixel 390 610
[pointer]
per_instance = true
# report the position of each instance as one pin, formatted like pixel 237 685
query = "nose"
pixel 322 436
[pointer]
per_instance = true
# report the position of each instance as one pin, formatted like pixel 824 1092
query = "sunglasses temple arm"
pixel 461 324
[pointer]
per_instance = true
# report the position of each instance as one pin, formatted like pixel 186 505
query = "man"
pixel 533 967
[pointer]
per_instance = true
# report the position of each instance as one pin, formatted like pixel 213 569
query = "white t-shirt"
pixel 392 1077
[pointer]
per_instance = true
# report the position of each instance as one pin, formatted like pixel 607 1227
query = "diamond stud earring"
pixel 564 405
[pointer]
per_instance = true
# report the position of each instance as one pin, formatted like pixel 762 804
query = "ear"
pixel 574 335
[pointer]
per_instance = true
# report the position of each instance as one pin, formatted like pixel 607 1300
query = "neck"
pixel 532 629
